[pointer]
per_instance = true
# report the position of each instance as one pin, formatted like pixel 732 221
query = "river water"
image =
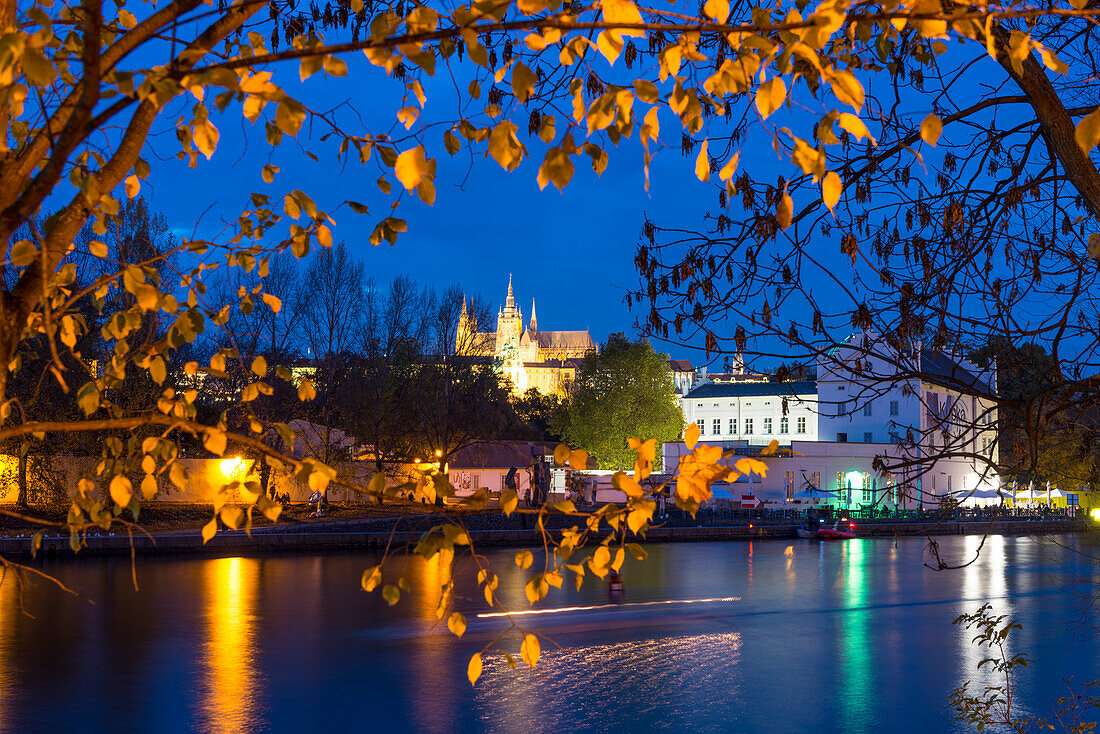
pixel 803 636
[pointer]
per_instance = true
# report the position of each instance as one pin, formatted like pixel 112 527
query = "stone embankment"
pixel 491 530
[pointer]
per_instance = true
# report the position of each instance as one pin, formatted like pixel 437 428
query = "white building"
pixel 844 470
pixel 878 426
pixel 936 408
pixel 754 412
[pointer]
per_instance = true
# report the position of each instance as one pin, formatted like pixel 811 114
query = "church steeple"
pixel 510 311
pixel 534 321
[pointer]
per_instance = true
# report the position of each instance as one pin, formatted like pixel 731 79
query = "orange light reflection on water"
pixel 230 684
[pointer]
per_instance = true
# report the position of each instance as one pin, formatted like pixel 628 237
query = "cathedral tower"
pixel 509 324
pixel 467 329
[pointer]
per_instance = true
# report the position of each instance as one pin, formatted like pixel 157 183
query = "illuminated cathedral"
pixel 544 360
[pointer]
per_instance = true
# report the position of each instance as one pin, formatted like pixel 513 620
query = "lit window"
pixel 784 426
pixel 802 425
pixel 748 426
pixel 767 425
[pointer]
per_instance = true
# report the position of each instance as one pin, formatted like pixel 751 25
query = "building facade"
pixel 544 360
pixel 863 430
pixel 945 411
pixel 754 412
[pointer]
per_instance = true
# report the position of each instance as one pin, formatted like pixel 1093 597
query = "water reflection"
pixel 855 639
pixel 828 636
pixel 983 580
pixel 9 607
pixel 230 685
pixel 435 669
pixel 651 680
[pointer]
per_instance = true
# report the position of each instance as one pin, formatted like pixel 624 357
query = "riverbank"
pixel 396 532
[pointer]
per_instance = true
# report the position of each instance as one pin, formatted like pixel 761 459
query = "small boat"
pixel 833 533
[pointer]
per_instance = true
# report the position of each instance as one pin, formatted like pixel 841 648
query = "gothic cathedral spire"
pixel 534 321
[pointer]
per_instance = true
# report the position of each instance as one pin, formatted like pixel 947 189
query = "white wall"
pixel 823 460
pixel 757 409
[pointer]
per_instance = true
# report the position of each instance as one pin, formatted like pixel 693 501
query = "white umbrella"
pixel 813 494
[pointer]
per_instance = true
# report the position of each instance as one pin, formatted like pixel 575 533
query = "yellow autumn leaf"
pixel 473 670
pixel 524 559
pixel 505 147
pixel 1087 134
pixel 854 125
pixel 831 188
pixel 215 441
pixel 784 210
pixel 770 96
pixel 121 490
pixel 730 168
pixel 717 10
pixel 456 623
pixel 149 487
pixel 273 302
pixel 208 531
pixel 530 650
pixel 231 516
pixel 847 89
pixel 579 459
pixel 371 578
pixel 133 186
pixel 411 167
pixel 508 501
pixel 702 163
pixel 205 136
pixel 306 391
pixel 691 435
pixel 622 11
pixel 556 168
pixel 930 129
pixel 523 82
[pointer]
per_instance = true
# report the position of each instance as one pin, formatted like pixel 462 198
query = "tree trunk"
pixel 265 474
pixel 1055 121
pixel 22 499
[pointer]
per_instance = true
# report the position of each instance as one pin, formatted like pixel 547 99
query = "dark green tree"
pixel 541 416
pixel 1047 428
pixel 624 391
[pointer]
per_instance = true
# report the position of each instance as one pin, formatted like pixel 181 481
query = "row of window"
pixel 784 426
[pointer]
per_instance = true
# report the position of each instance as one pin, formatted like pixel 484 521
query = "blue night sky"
pixel 573 252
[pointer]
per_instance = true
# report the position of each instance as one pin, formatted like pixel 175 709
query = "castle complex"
pixel 544 360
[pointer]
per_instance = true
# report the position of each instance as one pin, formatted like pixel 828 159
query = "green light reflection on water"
pixel 855 633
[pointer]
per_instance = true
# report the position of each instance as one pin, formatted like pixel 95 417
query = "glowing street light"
pixel 232 468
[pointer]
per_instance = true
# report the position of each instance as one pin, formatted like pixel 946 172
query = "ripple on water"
pixel 640 685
